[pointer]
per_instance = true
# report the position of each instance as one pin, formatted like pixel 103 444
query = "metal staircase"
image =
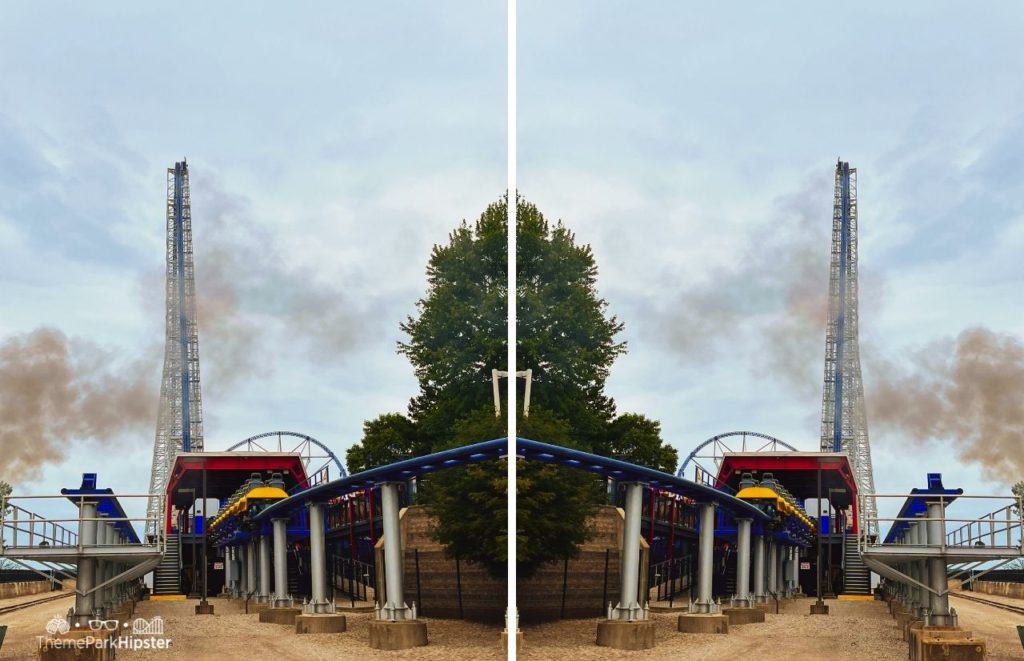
pixel 856 575
pixel 167 577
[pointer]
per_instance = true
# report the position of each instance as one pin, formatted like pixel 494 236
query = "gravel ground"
pixel 853 631
pixel 231 634
pixel 995 626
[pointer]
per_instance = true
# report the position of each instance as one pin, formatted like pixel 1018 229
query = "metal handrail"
pixel 35 525
pixel 986 530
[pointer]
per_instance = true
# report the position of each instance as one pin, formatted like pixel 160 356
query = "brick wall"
pixel 437 590
pixel 484 597
pixel 587 590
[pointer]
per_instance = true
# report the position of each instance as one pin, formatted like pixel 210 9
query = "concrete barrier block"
pixel 280 615
pixel 397 635
pixel 694 623
pixel 625 635
pixel 743 615
pixel 320 623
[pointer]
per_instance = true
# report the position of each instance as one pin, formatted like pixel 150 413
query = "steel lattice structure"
pixel 844 425
pixel 710 460
pixel 179 425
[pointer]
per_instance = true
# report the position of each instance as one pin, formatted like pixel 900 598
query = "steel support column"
pixel 773 567
pixel 394 607
pixel 629 607
pixel 318 561
pixel 280 562
pixel 742 598
pixel 250 568
pixel 228 573
pixel 940 612
pixel 705 560
pixel 84 603
pixel 760 596
pixel 263 595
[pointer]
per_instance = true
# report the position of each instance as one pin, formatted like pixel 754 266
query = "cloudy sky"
pixel 694 147
pixel 329 147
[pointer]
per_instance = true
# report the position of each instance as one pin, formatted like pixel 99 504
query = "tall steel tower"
pixel 844 425
pixel 179 426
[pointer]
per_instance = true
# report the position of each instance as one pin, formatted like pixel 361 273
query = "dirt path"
pixel 24 625
pixel 854 631
pixel 997 627
pixel 231 634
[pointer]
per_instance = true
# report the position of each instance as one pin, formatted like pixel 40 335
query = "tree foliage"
pixel 565 336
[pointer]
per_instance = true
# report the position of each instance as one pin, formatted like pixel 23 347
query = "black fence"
pixel 1002 575
pixel 353 578
pixel 671 577
pixel 23 575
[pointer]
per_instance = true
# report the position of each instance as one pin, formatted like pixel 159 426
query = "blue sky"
pixel 330 146
pixel 693 145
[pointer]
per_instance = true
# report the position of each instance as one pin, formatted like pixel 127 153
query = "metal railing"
pixel 670 577
pixel 1000 529
pixel 354 578
pixel 21 528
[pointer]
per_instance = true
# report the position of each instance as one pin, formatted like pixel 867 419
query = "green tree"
pixel 461 332
pixel 386 438
pixel 637 438
pixel 563 333
pixel 565 336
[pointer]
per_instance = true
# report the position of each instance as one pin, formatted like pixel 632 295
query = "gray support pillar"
pixel 280 562
pixel 941 614
pixel 760 596
pixel 705 560
pixel 773 567
pixel 779 586
pixel 228 572
pixel 743 599
pixel 913 568
pixel 84 603
pixel 243 570
pixel 394 607
pixel 264 550
pixel 109 567
pixel 250 567
pixel 318 560
pixel 629 607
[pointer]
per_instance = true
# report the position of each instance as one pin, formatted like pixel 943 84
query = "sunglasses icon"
pixel 109 625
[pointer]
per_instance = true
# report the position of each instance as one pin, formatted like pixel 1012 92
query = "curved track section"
pixel 290 441
pixel 709 460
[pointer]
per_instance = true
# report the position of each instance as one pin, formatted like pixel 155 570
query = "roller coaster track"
pixel 988 602
pixel 26 604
